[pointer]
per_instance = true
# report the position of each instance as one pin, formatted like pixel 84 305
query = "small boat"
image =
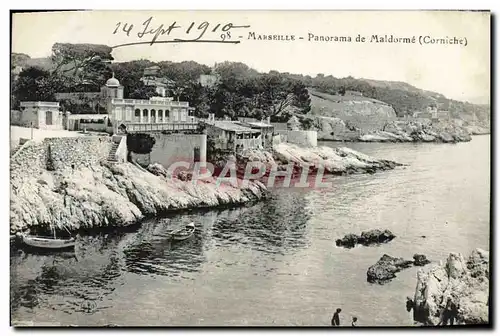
pixel 182 233
pixel 48 242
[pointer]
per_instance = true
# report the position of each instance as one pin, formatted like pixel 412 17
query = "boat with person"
pixel 49 243
pixel 183 233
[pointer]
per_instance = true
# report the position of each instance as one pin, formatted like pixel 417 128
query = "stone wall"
pixel 26 118
pixel 29 160
pixel 121 151
pixel 170 148
pixel 78 151
pixel 300 138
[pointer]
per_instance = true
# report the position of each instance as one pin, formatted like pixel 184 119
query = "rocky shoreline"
pixel 465 281
pixel 122 194
pixel 449 131
pixel 113 195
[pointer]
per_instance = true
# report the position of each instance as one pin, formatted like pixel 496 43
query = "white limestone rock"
pixel 465 281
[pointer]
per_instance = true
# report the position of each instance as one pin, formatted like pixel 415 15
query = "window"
pixel 160 115
pixel 167 114
pixel 137 115
pixel 153 116
pixel 145 116
pixel 48 118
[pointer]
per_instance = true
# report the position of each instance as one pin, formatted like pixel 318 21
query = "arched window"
pixel 153 116
pixel 160 115
pixel 145 116
pixel 167 114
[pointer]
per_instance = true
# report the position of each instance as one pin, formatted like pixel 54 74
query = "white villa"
pixel 138 115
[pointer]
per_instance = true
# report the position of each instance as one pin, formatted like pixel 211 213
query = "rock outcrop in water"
pixel 386 267
pixel 420 260
pixel 366 238
pixel 340 160
pixel 464 280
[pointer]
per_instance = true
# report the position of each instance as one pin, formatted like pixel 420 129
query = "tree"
pixel 140 143
pixel 276 93
pixel 183 72
pixel 302 100
pixel 129 74
pixel 35 84
pixel 81 62
pixel 141 91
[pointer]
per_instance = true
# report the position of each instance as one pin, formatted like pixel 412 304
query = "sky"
pixel 459 72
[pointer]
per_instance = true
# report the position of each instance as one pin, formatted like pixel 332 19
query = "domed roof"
pixel 113 82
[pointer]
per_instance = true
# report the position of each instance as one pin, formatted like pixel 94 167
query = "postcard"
pixel 250 168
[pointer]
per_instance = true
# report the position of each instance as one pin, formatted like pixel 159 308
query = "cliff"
pixel 357 118
pixel 112 195
pixel 465 281
pixel 393 131
pixel 363 113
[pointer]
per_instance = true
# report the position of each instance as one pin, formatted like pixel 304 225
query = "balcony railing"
pixel 179 126
pixel 149 102
pixel 39 103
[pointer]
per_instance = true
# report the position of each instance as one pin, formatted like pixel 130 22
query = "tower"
pixel 112 89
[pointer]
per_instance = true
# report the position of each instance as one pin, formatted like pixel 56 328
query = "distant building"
pixel 151 78
pixel 265 127
pixel 424 115
pixel 87 122
pixel 353 93
pixel 231 135
pixel 209 80
pixel 42 115
pixel 444 115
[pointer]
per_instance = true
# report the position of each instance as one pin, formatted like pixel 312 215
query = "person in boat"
pixel 354 322
pixel 336 318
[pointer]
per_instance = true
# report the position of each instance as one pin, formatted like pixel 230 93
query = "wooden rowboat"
pixel 183 233
pixel 48 243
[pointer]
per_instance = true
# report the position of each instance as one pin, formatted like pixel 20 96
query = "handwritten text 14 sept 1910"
pixel 192 32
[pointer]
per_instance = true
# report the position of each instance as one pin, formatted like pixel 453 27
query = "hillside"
pixel 242 92
pixel 366 114
pixel 403 97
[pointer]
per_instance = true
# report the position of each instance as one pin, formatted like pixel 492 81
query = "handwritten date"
pixel 194 32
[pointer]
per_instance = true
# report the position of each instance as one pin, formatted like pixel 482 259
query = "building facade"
pixel 231 136
pixel 265 128
pixel 42 115
pixel 155 114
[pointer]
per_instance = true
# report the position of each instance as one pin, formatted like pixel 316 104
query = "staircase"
pixel 112 153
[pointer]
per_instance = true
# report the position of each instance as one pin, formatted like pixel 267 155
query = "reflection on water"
pixel 67 281
pixel 272 263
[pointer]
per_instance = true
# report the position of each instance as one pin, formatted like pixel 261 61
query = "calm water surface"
pixel 274 263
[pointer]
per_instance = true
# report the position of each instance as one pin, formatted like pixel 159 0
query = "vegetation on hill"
pixel 241 90
pixel 403 97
